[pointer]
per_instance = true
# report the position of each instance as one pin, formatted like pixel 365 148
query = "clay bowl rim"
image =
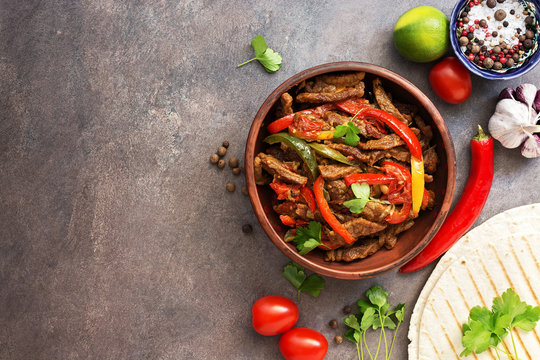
pixel 257 205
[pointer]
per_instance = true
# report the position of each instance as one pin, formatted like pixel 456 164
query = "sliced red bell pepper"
pixel 425 198
pixel 326 213
pixel 369 178
pixel 399 191
pixel 287 120
pixel 308 196
pixel 287 220
pixel 352 106
pixel 327 245
pixel 399 217
pixel 285 191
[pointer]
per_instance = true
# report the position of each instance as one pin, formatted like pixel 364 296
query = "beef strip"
pixel 325 97
pixel 366 129
pixel 431 201
pixel 357 228
pixel 376 212
pixel 425 129
pixel 430 160
pixel 384 101
pixel 386 142
pixel 400 153
pixel 286 103
pixel 334 172
pixel 360 251
pixel 280 170
pixel 349 150
pixel 329 83
pixel 337 190
pixel 297 211
pixel 389 236
pixel 260 177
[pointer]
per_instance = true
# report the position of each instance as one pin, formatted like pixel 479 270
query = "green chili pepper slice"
pixel 301 148
pixel 330 153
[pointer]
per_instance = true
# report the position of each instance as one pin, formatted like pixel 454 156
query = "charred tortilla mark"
pixel 445 332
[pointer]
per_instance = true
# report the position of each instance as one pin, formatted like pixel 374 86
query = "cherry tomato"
pixel 303 344
pixel 451 81
pixel 273 315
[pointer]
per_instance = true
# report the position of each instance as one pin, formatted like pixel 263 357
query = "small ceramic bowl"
pixel 486 74
pixel 410 242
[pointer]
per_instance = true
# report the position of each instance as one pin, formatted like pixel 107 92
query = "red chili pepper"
pixel 327 214
pixel 287 220
pixel 308 196
pixel 468 207
pixel 369 178
pixel 286 121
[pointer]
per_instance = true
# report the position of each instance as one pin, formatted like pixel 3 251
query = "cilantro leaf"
pixel 352 322
pixel 388 323
pixel 361 191
pixel 476 339
pixel 350 131
pixel 377 296
pixel 308 238
pixel 368 319
pixel 296 275
pixel 364 305
pixel 269 59
pixel 313 285
pixel 353 335
pixel 400 312
pixel 527 321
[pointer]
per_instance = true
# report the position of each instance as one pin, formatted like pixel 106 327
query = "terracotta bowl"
pixel 410 242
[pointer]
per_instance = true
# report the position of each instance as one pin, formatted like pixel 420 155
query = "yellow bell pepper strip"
pixel 330 153
pixel 312 136
pixel 417 163
pixel 300 147
pixel 331 220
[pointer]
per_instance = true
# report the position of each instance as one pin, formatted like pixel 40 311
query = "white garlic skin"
pixel 506 123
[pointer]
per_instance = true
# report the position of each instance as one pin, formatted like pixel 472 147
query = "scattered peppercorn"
pixel 222 151
pixel 509 62
pixel 505 23
pixel 247 229
pixel 475 49
pixel 338 339
pixel 482 23
pixel 245 190
pixel 491 4
pixel 529 34
pixel 515 57
pixel 347 309
pixel 233 162
pixel 463 41
pixel 494 34
pixel 236 171
pixel 500 14
pixel 333 324
pixel 522 38
pixel 225 144
pixel 230 187
pixel 214 158
pixel 497 49
pixel 529 20
pixel 221 164
pixel 488 63
pixel 500 1
pixel 497 65
pixel 470 36
pixel 528 44
pixel 512 11
pixel 465 20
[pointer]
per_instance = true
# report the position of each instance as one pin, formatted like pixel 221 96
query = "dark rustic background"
pixel 118 239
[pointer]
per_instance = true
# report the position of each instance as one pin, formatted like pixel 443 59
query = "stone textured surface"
pixel 118 238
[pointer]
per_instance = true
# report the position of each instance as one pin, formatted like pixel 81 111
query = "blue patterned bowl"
pixel 486 74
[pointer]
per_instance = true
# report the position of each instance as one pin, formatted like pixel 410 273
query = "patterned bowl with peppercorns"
pixel 496 39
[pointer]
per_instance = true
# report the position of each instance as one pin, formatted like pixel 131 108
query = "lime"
pixel 421 34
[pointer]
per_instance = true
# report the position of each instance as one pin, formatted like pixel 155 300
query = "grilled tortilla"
pixel 503 252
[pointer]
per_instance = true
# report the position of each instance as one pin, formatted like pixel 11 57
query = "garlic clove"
pixel 531 147
pixel 507 93
pixel 506 124
pixel 536 104
pixel 526 94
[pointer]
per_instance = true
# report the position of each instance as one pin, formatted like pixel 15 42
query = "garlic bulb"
pixel 531 147
pixel 508 121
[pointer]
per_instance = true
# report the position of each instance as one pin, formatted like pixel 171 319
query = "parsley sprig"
pixel 374 314
pixel 308 238
pixel 270 59
pixel 350 131
pixel 296 275
pixel 487 328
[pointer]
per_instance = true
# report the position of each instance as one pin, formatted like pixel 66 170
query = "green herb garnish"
pixel 350 131
pixel 487 328
pixel 361 192
pixel 308 238
pixel 313 284
pixel 374 314
pixel 270 59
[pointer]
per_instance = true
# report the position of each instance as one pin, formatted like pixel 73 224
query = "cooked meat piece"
pixel 424 143
pixel 329 83
pixel 324 97
pixel 406 109
pixel 431 201
pixel 335 119
pixel 286 104
pixel 400 153
pixel 352 151
pixel 260 177
pixel 386 142
pixel 334 172
pixel 384 101
pixel 389 236
pixel 337 190
pixel 371 130
pixel 295 210
pixel 280 170
pixel 289 154
pixel 428 178
pixel 276 152
pixel 426 129
pixel 366 248
pixel 357 227
pixel 375 211
pixel 286 208
pixel 430 160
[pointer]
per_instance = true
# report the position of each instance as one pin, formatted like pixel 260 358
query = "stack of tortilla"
pixel 502 253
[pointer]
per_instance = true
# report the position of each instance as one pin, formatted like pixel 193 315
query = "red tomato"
pixel 273 315
pixel 451 81
pixel 303 344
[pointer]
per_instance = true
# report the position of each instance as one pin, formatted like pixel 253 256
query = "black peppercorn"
pixel 529 34
pixel 529 20
pixel 482 23
pixel 247 229
pixel 333 324
pixel 528 44
pixel 505 23
pixel 494 34
pixel 347 310
pixel 214 158
pixel 226 144
pixel 491 4
pixel 512 11
pixel 470 36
